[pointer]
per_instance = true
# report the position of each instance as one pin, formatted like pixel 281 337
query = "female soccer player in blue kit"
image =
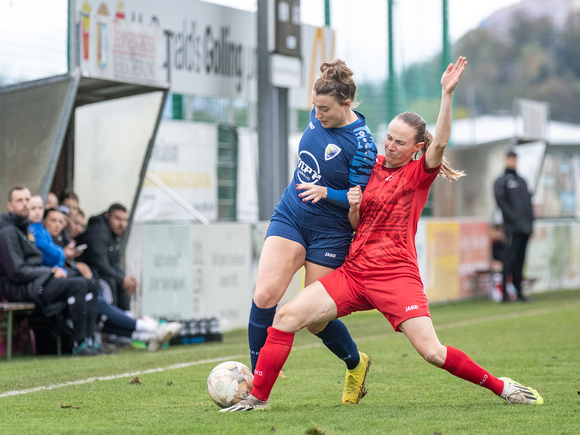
pixel 310 225
pixel 381 269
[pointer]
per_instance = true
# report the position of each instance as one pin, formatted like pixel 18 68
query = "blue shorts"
pixel 324 249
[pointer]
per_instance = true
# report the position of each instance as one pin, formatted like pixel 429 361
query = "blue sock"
pixel 260 320
pixel 337 338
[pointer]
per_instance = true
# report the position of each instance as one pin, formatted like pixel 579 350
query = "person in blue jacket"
pixel 53 221
pixel 310 226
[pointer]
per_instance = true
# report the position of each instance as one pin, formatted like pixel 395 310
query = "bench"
pixel 482 282
pixel 23 308
pixel 9 308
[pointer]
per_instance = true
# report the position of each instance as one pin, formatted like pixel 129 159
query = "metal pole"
pixel 283 135
pixel 267 162
pixel 445 53
pixel 391 81
pixel 445 56
pixel 327 13
pixel 73 36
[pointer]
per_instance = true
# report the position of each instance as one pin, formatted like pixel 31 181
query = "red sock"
pixel 271 360
pixel 459 364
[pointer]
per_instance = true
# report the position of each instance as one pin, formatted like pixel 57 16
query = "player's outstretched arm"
pixel 449 80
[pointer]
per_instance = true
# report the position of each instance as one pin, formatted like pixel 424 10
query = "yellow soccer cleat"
pixel 354 383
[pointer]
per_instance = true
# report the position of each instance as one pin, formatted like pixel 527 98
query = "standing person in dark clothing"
pixel 23 278
pixel 514 200
pixel 103 253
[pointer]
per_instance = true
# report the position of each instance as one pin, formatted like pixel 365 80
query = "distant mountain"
pixel 527 50
pixel 500 22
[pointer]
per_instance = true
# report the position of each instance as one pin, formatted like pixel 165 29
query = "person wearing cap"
pixel 514 200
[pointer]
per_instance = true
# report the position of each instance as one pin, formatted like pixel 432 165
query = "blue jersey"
pixel 337 158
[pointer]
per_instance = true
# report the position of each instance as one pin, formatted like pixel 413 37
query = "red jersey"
pixel 392 203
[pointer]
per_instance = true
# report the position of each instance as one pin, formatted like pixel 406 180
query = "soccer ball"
pixel 229 382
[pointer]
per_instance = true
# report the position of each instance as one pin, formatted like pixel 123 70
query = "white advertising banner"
pixel 222 266
pixel 208 49
pixel 211 50
pixel 197 271
pixel 185 161
pixel 113 48
pixel 167 278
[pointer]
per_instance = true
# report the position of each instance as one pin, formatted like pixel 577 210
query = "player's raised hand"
pixel 452 75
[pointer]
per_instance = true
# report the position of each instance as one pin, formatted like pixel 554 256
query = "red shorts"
pixel 398 298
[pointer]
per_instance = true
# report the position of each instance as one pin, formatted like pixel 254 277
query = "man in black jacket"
pixel 23 278
pixel 103 238
pixel 514 200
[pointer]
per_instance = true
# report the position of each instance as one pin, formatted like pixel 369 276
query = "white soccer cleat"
pixel 249 404
pixel 519 394
pixel 163 334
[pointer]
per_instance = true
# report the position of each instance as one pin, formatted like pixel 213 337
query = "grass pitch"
pixel 537 344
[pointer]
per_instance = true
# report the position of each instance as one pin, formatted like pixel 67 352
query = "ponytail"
pixel 423 135
pixel 446 171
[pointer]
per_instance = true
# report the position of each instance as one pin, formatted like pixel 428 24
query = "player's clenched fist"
pixel 354 196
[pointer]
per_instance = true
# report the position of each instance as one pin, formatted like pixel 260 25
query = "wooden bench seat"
pixel 9 308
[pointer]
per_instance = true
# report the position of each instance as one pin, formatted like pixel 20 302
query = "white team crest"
pixel 311 125
pixel 331 151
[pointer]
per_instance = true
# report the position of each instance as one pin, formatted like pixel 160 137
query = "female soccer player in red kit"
pixel 381 269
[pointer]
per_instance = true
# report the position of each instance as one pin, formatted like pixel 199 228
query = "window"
pixel 227 172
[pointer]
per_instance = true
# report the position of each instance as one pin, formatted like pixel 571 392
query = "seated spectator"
pixel 71 200
pixel 45 235
pixel 23 277
pixel 76 224
pixel 36 209
pixel 115 321
pixel 75 227
pixel 51 201
pixel 103 238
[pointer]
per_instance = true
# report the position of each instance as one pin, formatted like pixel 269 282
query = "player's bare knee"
pixel 433 356
pixel 287 320
pixel 265 297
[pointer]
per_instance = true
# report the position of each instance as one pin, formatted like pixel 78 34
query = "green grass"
pixel 537 344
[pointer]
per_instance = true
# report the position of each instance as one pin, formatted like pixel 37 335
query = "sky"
pixel 417 28
pixel 23 50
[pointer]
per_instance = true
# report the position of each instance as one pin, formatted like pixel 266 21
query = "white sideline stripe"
pixel 308 346
pixel 123 375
